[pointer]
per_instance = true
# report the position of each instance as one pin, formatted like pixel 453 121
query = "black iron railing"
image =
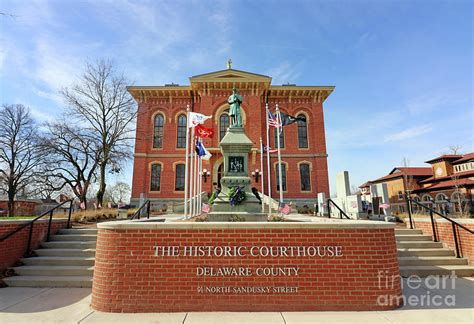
pixel 341 212
pixel 145 206
pixel 32 222
pixel 454 225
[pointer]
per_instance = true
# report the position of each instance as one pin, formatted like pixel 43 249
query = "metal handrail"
pixel 433 227
pixel 31 223
pixel 341 212
pixel 137 214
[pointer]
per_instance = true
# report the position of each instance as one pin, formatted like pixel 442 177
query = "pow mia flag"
pixel 288 119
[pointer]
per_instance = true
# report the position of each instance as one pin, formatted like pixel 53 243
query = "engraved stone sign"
pixel 236 164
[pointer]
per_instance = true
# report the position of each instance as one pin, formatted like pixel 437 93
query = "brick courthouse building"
pixel 158 171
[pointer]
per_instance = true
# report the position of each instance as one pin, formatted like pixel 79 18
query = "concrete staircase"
pixel 66 261
pixel 419 255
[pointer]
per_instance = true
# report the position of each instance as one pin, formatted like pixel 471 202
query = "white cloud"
pixel 283 73
pixel 409 133
pixel 430 102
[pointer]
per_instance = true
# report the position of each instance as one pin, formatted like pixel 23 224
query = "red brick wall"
pixel 444 231
pixel 254 108
pixel 14 247
pixel 22 208
pixel 129 278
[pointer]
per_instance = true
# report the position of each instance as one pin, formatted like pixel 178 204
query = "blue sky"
pixel 402 69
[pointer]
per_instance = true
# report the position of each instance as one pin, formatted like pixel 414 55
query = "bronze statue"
pixel 234 112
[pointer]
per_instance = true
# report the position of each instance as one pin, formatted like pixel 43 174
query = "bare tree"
pixel 119 192
pixel 101 102
pixel 459 197
pixel 409 180
pixel 455 149
pixel 19 153
pixel 72 160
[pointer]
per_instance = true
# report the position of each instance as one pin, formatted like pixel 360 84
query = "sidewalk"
pixel 63 305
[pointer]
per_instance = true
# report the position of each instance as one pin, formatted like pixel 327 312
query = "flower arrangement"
pixel 236 195
pixel 214 195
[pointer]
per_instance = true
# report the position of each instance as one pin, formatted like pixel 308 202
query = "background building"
pixel 158 172
pixel 446 186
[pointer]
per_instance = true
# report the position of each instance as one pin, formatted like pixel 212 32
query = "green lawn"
pixel 16 217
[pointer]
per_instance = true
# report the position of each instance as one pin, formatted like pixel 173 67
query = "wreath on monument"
pixel 236 195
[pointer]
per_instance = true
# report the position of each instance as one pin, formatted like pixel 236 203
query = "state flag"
pixel 202 131
pixel 196 118
pixel 202 152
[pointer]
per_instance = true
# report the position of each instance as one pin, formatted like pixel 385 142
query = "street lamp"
pixel 205 174
pixel 256 174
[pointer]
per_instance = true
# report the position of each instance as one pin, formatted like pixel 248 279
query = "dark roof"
pixel 458 174
pixel 465 158
pixel 406 171
pixel 447 184
pixel 449 157
pixel 366 184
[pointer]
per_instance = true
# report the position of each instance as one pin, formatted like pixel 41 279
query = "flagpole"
pixel 186 167
pixel 269 193
pixel 279 154
pixel 261 170
pixel 195 181
pixel 200 186
pixel 191 176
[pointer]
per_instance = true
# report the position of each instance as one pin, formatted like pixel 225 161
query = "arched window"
pixel 181 138
pixel 302 132
pixel 155 183
pixel 282 137
pixel 158 131
pixel 179 177
pixel 223 124
pixel 426 198
pixel 283 176
pixel 305 177
pixel 441 197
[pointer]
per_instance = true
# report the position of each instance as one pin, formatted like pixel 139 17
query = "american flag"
pixel 284 208
pixel 268 149
pixel 273 120
pixel 205 208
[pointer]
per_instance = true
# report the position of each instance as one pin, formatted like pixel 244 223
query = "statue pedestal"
pixel 235 147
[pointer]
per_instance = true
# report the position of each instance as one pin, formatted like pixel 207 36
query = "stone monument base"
pixel 236 217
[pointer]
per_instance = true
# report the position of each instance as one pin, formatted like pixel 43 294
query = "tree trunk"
pixel 83 199
pixel 11 204
pixel 101 191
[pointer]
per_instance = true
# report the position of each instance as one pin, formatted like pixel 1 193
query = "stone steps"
pixel 66 252
pixel 75 237
pixel 69 245
pixel 417 237
pixel 431 260
pixel 49 281
pixel 66 261
pixel 419 255
pixel 54 271
pixel 78 231
pixel 405 252
pixel 438 270
pixel 403 231
pixel 419 244
pixel 50 260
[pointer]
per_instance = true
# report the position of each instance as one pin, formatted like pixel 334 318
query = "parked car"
pixel 3 212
